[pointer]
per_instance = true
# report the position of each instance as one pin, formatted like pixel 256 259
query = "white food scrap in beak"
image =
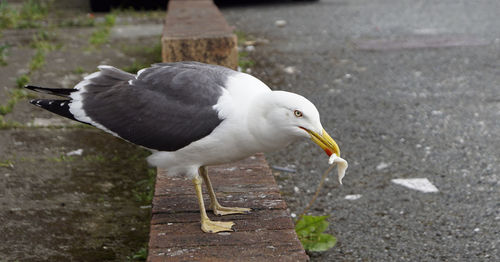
pixel 341 165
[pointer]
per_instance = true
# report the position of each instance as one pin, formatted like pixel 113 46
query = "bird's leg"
pixel 208 225
pixel 214 204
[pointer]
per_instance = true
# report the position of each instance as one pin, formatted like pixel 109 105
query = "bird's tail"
pixel 64 92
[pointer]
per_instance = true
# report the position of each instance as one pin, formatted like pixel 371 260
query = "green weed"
pixel 79 70
pixel 141 255
pixel 43 43
pixel 109 20
pixel 144 190
pixel 310 232
pixel 148 56
pixel 101 35
pixel 95 158
pixel 30 15
pixel 8 16
pixel 244 61
pixel 7 163
pixel 3 55
pixel 131 12
pixel 242 37
pixel 8 124
pixel 22 80
pixel 15 95
pixel 38 60
pixel 79 21
pixel 133 68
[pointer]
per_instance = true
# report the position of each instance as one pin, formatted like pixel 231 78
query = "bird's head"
pixel 295 116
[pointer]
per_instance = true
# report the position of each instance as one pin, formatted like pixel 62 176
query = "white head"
pixel 286 116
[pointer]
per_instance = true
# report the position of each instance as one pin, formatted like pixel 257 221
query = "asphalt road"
pixel 409 89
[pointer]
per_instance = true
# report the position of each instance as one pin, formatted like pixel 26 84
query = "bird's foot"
pixel 222 211
pixel 209 226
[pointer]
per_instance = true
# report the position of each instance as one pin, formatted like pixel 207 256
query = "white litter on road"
pixel 280 23
pixel 382 165
pixel 290 70
pixel 353 197
pixel 77 152
pixel 420 184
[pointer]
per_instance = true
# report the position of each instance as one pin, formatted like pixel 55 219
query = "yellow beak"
pixel 325 142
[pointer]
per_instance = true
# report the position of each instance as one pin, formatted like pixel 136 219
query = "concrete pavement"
pixel 409 89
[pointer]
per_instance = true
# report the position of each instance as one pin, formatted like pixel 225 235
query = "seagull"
pixel 191 115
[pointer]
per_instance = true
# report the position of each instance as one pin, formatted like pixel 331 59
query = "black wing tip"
pixel 31 87
pixel 64 92
pixel 35 101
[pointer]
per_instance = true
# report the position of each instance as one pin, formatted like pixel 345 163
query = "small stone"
pixel 382 165
pixel 77 152
pixel 280 23
pixel 250 48
pixel 353 197
pixel 289 70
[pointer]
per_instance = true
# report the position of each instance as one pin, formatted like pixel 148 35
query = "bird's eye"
pixel 297 113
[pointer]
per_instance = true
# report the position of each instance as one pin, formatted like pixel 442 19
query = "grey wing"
pixel 166 107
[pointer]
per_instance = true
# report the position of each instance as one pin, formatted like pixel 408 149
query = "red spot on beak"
pixel 328 152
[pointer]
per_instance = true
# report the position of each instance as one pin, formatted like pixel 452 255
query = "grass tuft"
pixel 22 80
pixel 3 55
pixel 8 16
pixel 30 15
pixel 244 61
pixel 148 56
pixel 101 35
pixel 145 188
pixel 15 95
pixel 140 255
pixel 79 70
pixel 87 20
